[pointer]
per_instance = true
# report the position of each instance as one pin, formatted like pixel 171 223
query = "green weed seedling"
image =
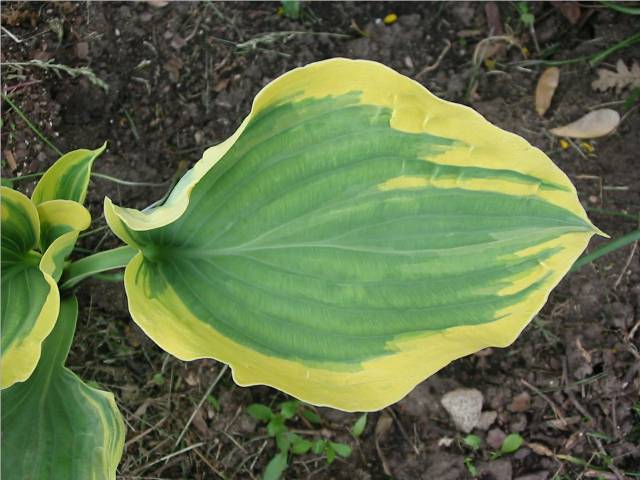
pixel 510 444
pixel 288 442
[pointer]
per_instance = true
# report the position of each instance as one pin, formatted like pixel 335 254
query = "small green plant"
pixel 471 466
pixel 358 428
pixel 289 442
pixel 472 441
pixel 526 17
pixel 291 9
pixel 510 444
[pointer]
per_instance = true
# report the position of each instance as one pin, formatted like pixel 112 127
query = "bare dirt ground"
pixel 181 77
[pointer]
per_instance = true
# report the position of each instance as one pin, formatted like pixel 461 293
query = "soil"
pixel 182 76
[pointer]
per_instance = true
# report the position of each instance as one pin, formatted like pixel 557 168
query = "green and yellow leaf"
pixel 61 217
pixel 53 425
pixel 68 178
pixel 30 299
pixel 355 235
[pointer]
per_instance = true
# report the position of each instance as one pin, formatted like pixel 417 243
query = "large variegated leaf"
pixel 68 178
pixel 53 425
pixel 30 298
pixel 355 235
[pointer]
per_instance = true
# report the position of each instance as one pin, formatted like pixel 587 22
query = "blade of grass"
pixel 606 249
pixel 35 130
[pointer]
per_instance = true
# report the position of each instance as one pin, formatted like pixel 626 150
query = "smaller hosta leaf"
pixel 30 298
pixel 54 426
pixel 68 178
pixel 58 217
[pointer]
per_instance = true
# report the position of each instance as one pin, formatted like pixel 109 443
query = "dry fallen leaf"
pixel 623 77
pixel 158 3
pixel 540 449
pixel 593 125
pixel 546 87
pixel 11 160
pixel 570 10
pixel 382 427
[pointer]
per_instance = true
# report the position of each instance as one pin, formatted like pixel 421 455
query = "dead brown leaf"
pixel 622 78
pixel 493 18
pixel 570 10
pixel 382 427
pixel 597 123
pixel 546 87
pixel 173 67
pixel 158 3
pixel 11 160
pixel 540 449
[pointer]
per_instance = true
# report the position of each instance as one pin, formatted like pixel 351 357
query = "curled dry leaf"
pixel 593 125
pixel 546 87
pixel 158 3
pixel 382 427
pixel 623 77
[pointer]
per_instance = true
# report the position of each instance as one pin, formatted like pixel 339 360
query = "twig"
pixel 550 402
pixel 208 463
pixel 11 35
pixel 202 400
pixel 143 434
pixel 436 64
pixel 571 395
pixel 402 431
pixel 626 265
pixel 168 457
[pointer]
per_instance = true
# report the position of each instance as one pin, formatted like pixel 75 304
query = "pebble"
pixel 464 405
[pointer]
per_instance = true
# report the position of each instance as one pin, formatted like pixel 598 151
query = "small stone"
pixel 520 403
pixel 486 419
pixel 495 437
pixel 497 470
pixel 519 424
pixel 464 405
pixel 82 50
pixel 542 475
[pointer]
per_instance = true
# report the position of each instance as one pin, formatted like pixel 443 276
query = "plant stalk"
pixel 96 264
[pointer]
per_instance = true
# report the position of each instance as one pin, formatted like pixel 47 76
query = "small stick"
pixel 169 457
pixel 430 68
pixel 626 265
pixel 403 432
pixel 551 403
pixel 204 397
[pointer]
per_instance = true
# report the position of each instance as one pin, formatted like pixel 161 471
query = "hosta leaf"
pixel 55 426
pixel 60 217
pixel 30 299
pixel 68 178
pixel 354 236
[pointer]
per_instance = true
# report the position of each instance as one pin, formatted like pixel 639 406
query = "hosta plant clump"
pixel 352 237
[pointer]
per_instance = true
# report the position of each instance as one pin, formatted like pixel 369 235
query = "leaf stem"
pixel 96 264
